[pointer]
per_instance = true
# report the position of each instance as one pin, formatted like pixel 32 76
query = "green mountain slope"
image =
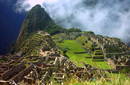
pixel 37 19
pixel 90 48
pixel 34 43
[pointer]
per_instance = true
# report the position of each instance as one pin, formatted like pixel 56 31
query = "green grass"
pixel 78 59
pixel 74 46
pixel 114 79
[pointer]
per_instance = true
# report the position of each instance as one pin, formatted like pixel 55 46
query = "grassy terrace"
pixel 73 46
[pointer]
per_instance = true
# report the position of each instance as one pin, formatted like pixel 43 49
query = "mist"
pixel 106 17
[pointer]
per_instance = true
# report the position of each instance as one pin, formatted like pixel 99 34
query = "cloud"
pixel 25 5
pixel 107 17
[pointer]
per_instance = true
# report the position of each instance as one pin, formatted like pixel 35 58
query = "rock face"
pixel 36 19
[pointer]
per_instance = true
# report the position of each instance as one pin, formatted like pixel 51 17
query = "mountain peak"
pixel 37 6
pixel 37 19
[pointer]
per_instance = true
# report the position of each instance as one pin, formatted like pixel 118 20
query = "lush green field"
pixel 74 46
pixel 78 59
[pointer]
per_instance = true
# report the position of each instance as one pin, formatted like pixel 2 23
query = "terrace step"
pixel 59 77
pixel 13 71
pixel 98 60
pixel 20 76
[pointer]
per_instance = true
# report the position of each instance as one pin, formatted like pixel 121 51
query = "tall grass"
pixel 114 79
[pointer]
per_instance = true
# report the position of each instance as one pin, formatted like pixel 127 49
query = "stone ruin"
pixel 42 70
pixel 119 62
pixel 98 54
pixel 109 45
pixel 111 50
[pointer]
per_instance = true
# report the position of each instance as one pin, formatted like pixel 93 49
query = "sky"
pixel 10 22
pixel 106 17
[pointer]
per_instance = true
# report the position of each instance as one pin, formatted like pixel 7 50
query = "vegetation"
pixel 73 30
pixel 115 79
pixel 85 42
pixel 73 46
pixel 82 43
pixel 34 43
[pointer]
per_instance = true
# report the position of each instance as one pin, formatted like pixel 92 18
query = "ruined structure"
pixel 41 70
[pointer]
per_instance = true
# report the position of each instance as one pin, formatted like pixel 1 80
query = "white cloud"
pixel 107 17
pixel 25 5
